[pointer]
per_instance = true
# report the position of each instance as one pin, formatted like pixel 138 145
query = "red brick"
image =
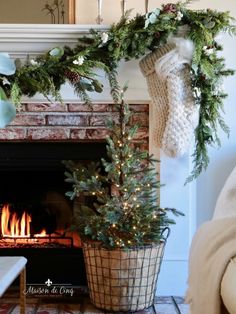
pixel 86 108
pixel 81 120
pixel 144 146
pixel 89 134
pixel 141 119
pixel 97 134
pixel 48 134
pixel 27 120
pixel 101 120
pixel 135 107
pixel 141 145
pixel 12 134
pixel 78 134
pixel 54 107
pixel 142 134
pixel 139 108
pixel 22 108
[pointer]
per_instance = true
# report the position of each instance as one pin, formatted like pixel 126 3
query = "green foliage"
pixel 125 210
pixel 129 39
pixel 209 82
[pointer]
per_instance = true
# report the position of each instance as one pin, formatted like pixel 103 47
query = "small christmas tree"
pixel 125 211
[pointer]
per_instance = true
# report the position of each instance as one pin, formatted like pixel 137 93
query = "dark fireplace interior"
pixel 36 214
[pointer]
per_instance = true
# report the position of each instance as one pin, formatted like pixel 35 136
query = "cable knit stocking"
pixel 157 89
pixel 172 75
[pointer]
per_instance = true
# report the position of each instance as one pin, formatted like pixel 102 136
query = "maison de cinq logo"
pixel 49 288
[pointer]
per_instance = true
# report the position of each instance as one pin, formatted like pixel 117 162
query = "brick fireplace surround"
pixel 70 122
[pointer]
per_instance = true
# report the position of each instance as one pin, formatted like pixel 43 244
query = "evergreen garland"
pixel 133 38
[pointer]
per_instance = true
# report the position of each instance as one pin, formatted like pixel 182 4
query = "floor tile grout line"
pixel 175 305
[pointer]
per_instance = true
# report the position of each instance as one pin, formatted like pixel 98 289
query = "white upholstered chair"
pixel 226 207
pixel 10 268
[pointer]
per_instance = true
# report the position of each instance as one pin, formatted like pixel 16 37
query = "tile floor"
pixel 9 305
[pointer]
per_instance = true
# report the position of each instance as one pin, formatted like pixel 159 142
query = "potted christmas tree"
pixel 123 229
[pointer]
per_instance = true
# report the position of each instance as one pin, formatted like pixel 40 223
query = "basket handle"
pixel 165 233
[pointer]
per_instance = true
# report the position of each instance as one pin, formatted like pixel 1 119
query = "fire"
pixel 42 234
pixel 16 227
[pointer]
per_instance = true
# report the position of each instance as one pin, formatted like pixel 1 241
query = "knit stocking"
pixel 176 111
pixel 157 89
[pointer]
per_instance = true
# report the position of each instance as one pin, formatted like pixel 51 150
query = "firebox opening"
pixel 32 193
pixel 33 187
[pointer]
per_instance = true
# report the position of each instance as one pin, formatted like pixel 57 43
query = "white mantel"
pixel 22 40
pixel 36 38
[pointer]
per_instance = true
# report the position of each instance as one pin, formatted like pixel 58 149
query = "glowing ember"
pixel 42 234
pixel 16 227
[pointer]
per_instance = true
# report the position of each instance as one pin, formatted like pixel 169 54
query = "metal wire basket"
pixel 123 280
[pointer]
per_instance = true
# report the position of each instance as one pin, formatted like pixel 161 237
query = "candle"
pixel 99 17
pixel 123 6
pixel 146 6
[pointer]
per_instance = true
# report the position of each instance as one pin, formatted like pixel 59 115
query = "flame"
pixel 17 227
pixel 43 233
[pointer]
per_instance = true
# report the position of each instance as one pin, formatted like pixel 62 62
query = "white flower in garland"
pixel 79 61
pixel 208 50
pixel 197 92
pixel 34 62
pixel 5 81
pixel 104 38
pixel 179 16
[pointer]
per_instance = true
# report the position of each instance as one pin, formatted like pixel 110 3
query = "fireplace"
pixel 32 181
pixel 36 214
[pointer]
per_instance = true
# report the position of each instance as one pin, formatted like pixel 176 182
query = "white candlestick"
pixel 99 17
pixel 123 6
pixel 146 6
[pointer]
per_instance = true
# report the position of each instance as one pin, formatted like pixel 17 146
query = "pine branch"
pixel 114 86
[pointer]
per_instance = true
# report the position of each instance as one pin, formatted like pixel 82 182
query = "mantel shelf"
pixel 22 39
pixel 29 40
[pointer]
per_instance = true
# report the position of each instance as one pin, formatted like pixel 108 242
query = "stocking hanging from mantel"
pixel 167 71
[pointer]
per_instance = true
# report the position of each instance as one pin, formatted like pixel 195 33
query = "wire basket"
pixel 123 280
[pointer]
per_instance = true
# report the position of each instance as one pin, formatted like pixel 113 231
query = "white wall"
pixel 222 161
pixel 87 10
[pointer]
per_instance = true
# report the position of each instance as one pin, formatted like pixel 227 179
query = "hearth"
pixel 36 214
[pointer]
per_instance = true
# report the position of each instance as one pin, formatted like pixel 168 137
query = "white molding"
pixel 36 32
pixel 192 201
pixel 20 40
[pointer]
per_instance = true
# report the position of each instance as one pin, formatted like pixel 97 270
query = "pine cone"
pixel 73 77
pixel 170 8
